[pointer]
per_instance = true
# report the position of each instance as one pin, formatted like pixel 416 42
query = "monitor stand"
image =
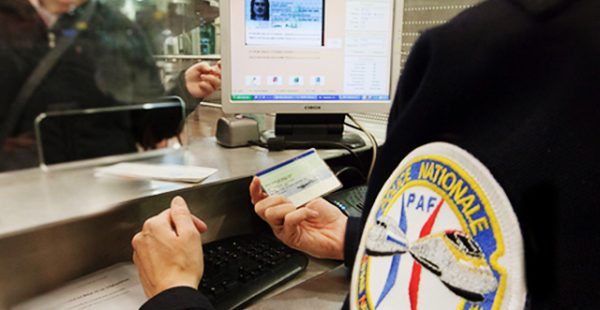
pixel 313 130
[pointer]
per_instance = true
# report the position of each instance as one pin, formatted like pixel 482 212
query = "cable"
pixel 373 144
pixel 326 144
pixel 352 126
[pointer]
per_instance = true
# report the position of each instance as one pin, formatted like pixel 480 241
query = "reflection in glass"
pixel 89 133
pixel 63 56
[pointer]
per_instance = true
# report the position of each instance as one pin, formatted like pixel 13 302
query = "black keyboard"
pixel 350 200
pixel 240 268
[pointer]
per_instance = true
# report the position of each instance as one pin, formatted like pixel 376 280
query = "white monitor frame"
pixel 303 107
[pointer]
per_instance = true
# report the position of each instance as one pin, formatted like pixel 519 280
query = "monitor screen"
pixel 307 56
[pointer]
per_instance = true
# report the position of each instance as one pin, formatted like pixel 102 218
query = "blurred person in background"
pixel 98 58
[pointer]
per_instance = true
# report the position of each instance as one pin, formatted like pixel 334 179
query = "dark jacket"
pixel 109 64
pixel 516 85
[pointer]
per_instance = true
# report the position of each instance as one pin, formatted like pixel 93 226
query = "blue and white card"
pixel 300 179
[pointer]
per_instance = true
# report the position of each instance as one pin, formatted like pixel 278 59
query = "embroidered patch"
pixel 441 235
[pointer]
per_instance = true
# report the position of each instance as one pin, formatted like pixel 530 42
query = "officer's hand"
pixel 317 228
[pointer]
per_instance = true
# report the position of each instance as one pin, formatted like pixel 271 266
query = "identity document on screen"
pixel 289 53
pixel 298 23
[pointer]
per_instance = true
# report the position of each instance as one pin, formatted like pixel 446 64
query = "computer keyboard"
pixel 240 268
pixel 350 200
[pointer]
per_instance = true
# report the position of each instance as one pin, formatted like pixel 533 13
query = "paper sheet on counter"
pixel 116 287
pixel 178 173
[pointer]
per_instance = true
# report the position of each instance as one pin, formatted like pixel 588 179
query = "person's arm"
pixel 197 82
pixel 168 256
pixel 124 66
pixel 352 240
pixel 182 297
pixel 202 79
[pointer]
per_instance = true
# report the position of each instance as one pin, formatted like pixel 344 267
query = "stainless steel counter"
pixel 33 198
pixel 64 223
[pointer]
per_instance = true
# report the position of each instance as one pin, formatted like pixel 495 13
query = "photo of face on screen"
pixel 285 22
pixel 259 10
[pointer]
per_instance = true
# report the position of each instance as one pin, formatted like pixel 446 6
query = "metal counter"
pixel 65 223
pixel 33 198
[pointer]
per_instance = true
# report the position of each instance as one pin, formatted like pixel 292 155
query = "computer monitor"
pixel 307 57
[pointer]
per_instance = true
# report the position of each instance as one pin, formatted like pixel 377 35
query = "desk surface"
pixel 32 198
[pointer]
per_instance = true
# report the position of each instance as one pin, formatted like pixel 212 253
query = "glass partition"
pixel 59 56
pixel 180 32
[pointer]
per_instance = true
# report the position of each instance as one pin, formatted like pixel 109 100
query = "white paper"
pixel 116 287
pixel 179 173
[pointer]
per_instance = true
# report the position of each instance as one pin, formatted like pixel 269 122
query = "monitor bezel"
pixel 297 106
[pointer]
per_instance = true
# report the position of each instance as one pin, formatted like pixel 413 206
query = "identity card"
pixel 300 179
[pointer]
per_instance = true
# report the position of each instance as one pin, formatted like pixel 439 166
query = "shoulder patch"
pixel 441 235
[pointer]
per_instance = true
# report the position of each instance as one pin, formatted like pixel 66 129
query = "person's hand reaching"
pixel 201 79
